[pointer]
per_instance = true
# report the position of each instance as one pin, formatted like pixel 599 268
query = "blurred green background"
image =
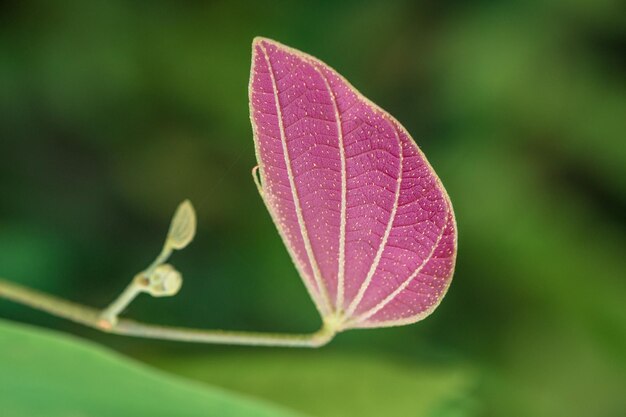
pixel 113 112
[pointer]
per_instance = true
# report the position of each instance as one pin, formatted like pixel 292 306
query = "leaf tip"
pixel 260 39
pixel 261 42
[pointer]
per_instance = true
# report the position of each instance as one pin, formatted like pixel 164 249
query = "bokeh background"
pixel 113 112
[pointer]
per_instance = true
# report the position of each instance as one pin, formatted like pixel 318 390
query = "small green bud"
pixel 165 281
pixel 183 226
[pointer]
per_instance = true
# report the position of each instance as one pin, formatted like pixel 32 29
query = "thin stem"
pixel 92 317
pixel 50 304
pixel 166 252
pixel 122 301
pixel 136 287
pixel 159 280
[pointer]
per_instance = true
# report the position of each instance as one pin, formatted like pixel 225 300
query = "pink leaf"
pixel 365 218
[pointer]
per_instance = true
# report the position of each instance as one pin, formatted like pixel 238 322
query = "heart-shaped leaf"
pixel 365 218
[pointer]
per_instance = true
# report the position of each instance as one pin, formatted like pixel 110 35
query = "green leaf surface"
pixel 47 374
pixel 325 383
